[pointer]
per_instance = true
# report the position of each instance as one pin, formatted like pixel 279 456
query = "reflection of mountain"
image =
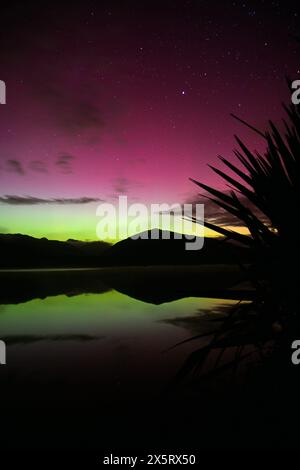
pixel 21 286
pixel 151 270
pixel 153 284
pixel 158 284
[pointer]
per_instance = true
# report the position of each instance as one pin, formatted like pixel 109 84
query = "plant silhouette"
pixel 264 196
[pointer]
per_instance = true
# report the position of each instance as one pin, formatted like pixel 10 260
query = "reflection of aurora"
pixel 153 284
pixel 97 315
pixel 101 336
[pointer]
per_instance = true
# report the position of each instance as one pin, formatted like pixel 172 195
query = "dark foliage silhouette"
pixel 264 197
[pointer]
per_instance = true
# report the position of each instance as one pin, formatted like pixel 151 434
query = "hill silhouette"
pixel 168 249
pixel 152 270
pixel 22 251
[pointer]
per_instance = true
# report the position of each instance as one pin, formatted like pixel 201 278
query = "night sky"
pixel 107 98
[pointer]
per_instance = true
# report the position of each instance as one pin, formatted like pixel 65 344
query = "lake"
pixel 77 351
pixel 91 336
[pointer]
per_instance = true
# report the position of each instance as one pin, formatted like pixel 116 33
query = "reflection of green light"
pixel 95 314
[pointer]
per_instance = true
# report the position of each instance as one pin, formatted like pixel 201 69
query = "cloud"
pixel 38 166
pixel 31 200
pixel 71 113
pixel 64 163
pixel 216 215
pixel 121 185
pixel 14 166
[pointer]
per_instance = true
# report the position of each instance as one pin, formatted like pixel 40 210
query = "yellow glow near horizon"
pixel 62 222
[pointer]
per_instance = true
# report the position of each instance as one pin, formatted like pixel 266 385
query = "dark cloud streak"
pixel 31 200
pixel 217 215
pixel 72 114
pixel 64 163
pixel 14 166
pixel 38 166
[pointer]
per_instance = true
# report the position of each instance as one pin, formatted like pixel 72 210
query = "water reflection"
pixel 109 339
pixel 83 354
pixel 152 284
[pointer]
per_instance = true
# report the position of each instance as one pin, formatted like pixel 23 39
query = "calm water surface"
pixel 108 337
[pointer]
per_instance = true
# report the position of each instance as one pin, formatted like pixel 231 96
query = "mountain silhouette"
pixel 153 247
pixel 158 247
pixel 23 251
pixel 152 270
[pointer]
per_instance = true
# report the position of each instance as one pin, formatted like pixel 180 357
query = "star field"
pixel 138 91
